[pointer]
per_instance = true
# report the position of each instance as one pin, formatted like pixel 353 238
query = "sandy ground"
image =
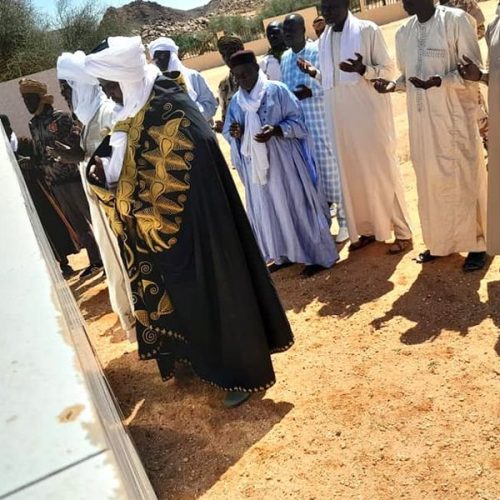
pixel 391 390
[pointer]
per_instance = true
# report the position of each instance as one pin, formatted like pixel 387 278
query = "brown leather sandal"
pixel 400 246
pixel 361 243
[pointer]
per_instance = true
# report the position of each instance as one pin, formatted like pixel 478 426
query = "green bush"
pixel 195 43
pixel 247 28
pixel 274 8
pixel 28 45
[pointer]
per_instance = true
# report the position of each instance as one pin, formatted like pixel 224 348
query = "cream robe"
pixel 445 145
pixel 119 291
pixel 363 126
pixel 493 39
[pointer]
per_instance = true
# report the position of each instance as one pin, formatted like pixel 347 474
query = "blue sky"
pixel 49 6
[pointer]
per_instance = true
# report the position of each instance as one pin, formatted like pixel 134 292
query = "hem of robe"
pixel 261 388
pixel 381 235
pixel 445 251
pixel 305 261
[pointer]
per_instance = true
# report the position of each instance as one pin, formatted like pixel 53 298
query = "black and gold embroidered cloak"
pixel 200 287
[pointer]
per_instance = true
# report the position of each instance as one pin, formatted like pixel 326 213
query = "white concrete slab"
pixel 74 484
pixel 56 409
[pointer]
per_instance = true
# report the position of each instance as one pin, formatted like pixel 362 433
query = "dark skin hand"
pixel 306 67
pixel 267 132
pixel 236 130
pixel 469 70
pixel 96 171
pixel 349 66
pixel 218 126
pixel 303 92
pixel 383 86
pixel 354 65
pixel 433 81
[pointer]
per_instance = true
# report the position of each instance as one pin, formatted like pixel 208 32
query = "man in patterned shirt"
pixel 472 8
pixel 54 133
pixel 227 45
pixel 310 94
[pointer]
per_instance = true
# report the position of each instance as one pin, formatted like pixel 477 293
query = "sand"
pixel 391 390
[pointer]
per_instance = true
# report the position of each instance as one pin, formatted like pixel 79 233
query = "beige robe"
pixel 493 39
pixel 363 125
pixel 445 145
pixel 120 295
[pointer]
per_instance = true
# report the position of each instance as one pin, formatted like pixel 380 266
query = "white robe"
pixel 271 67
pixel 363 125
pixel 493 230
pixel 120 294
pixel 445 145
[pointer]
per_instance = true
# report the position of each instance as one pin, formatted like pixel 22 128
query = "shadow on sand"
pixel 362 278
pixel 441 298
pixel 185 436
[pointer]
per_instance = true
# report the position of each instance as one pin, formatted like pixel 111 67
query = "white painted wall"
pixel 60 432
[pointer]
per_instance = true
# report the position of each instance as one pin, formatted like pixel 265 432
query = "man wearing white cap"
pixel 96 113
pixel 165 54
pixel 200 287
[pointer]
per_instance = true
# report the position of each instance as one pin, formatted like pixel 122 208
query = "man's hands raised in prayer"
pixel 306 67
pixel 235 130
pixel 383 86
pixel 433 81
pixel 354 65
pixel 469 70
pixel 267 132
pixel 302 92
pixel 218 126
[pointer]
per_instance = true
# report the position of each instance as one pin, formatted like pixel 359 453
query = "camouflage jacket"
pixel 47 128
pixel 227 88
pixel 472 8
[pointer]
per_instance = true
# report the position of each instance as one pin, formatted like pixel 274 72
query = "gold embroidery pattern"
pixel 160 220
pixel 146 213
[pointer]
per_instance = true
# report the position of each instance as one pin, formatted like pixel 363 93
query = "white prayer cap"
pixel 71 67
pixel 162 43
pixel 123 61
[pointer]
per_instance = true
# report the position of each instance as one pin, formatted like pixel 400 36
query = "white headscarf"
pixel 350 44
pixel 87 95
pixel 255 151
pixel 124 62
pixel 175 64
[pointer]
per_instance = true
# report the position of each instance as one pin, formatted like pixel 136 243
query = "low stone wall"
pixel 384 15
pixel 380 16
pixel 12 105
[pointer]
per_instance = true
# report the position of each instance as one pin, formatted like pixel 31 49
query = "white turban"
pixel 174 64
pixel 162 43
pixel 87 96
pixel 124 62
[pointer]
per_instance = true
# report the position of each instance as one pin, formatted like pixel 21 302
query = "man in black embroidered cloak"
pixel 201 290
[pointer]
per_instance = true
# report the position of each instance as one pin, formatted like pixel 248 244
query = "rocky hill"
pixel 155 19
pixel 232 7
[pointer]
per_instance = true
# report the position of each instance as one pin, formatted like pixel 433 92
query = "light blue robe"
pixel 314 109
pixel 289 214
pixel 206 101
